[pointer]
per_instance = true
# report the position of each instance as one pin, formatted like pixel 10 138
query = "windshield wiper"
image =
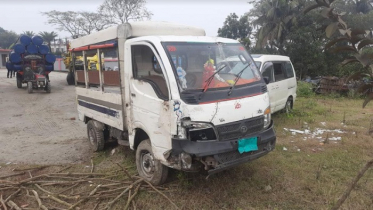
pixel 209 80
pixel 238 77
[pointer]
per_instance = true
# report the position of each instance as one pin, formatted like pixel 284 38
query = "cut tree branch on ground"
pixel 11 175
pixel 345 195
pixel 11 196
pixel 59 201
pixel 41 206
pixel 30 169
pixel 2 202
pixel 109 205
pixel 13 205
pixel 125 171
pixel 161 194
pixel 89 189
pixel 133 196
pixel 92 166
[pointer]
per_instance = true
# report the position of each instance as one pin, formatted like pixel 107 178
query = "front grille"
pixel 240 129
pixel 235 155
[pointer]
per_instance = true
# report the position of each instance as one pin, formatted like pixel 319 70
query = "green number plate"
pixel 248 145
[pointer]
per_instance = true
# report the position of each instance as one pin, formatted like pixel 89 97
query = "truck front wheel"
pixel 29 87
pixel 148 167
pixel 95 136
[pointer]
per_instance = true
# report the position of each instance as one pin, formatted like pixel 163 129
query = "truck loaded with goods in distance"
pixel 33 62
pixel 170 101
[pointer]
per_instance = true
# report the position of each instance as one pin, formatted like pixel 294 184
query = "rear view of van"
pixel 282 86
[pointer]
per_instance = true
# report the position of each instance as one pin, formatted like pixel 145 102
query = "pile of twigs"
pixel 60 190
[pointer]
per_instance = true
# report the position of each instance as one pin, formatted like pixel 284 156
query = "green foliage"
pixel 304 89
pixel 274 19
pixel 29 33
pixel 7 38
pixel 48 36
pixel 235 28
pixel 357 42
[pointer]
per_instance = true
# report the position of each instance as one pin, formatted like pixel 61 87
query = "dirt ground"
pixel 40 128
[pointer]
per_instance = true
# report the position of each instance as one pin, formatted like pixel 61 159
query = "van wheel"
pixel 29 87
pixel 148 167
pixel 288 106
pixel 95 137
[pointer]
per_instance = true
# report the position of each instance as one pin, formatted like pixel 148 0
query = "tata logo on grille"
pixel 238 106
pixel 243 129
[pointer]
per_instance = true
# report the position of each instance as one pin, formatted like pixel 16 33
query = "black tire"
pixel 150 169
pixel 70 78
pixel 95 136
pixel 29 87
pixel 19 82
pixel 288 106
pixel 48 88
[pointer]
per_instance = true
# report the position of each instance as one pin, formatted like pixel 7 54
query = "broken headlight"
pixel 267 118
pixel 196 131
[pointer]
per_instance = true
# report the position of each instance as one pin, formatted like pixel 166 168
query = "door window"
pixel 279 71
pixel 289 70
pixel 146 67
pixel 268 71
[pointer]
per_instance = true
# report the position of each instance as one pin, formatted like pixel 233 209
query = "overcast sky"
pixel 24 15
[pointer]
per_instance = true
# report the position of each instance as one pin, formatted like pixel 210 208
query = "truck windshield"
pixel 208 66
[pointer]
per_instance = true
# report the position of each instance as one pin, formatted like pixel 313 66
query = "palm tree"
pixel 29 33
pixel 48 36
pixel 274 18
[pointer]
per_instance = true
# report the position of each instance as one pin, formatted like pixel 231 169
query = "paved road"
pixel 40 128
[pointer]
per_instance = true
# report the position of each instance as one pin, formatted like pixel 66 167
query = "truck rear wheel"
pixel 70 78
pixel 148 167
pixel 19 82
pixel 29 87
pixel 95 136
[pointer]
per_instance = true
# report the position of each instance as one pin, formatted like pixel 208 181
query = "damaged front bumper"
pixel 217 156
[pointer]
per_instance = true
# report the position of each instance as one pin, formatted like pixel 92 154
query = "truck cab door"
pixel 149 97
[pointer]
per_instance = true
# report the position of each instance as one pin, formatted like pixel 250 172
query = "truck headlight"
pixel 267 117
pixel 196 131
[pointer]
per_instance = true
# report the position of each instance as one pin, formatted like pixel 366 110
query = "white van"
pixel 282 86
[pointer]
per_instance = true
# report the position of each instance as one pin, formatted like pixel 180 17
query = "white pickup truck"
pixel 170 100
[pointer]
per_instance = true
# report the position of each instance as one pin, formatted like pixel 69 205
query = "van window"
pixel 268 71
pixel 289 70
pixel 278 70
pixel 146 68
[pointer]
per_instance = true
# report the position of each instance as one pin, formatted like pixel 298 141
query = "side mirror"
pixel 266 80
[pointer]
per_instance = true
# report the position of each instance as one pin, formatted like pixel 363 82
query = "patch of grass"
pixel 304 89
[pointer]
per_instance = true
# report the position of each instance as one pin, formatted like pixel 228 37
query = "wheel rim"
pixel 147 163
pixel 92 139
